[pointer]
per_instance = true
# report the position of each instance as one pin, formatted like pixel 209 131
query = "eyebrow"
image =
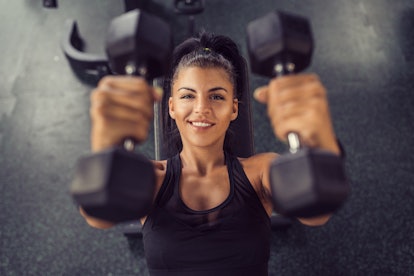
pixel 210 90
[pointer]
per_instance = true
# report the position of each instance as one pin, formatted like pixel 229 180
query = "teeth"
pixel 201 124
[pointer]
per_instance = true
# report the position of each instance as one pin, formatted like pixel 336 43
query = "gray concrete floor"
pixel 364 56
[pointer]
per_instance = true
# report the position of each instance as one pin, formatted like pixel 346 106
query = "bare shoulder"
pixel 160 167
pixel 260 160
pixel 256 168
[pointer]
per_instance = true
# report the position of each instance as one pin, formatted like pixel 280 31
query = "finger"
pixel 288 81
pixel 298 93
pixel 309 124
pixel 119 130
pixel 121 97
pixel 307 135
pixel 129 85
pixel 124 82
pixel 295 107
pixel 122 113
pixel 104 105
pixel 158 92
pixel 260 94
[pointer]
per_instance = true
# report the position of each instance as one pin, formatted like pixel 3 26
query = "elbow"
pixel 99 224
pixel 95 222
pixel 315 221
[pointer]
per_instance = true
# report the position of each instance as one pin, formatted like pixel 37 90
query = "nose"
pixel 202 106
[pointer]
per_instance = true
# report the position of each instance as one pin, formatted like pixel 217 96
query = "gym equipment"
pixel 50 3
pixel 118 184
pixel 308 181
pixel 132 47
pixel 88 67
pixel 190 8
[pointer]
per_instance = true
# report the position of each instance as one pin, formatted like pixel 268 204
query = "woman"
pixel 211 211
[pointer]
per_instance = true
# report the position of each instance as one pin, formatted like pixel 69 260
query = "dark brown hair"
pixel 207 51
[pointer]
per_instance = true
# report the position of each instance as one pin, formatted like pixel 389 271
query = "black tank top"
pixel 230 239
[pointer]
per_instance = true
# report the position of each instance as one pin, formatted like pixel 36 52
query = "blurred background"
pixel 365 57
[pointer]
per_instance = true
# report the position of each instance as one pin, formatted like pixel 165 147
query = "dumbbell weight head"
pixel 279 39
pixel 114 185
pixel 306 182
pixel 118 184
pixel 139 43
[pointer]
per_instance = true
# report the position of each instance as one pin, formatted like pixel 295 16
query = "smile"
pixel 201 124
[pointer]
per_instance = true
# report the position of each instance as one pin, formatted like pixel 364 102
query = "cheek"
pixel 179 110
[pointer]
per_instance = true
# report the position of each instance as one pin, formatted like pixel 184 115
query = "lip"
pixel 201 124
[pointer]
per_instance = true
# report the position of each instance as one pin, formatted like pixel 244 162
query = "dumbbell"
pixel 307 181
pixel 118 184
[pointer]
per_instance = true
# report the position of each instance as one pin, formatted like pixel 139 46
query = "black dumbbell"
pixel 307 181
pixel 118 184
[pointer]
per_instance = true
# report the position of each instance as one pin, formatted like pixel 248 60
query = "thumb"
pixel 158 92
pixel 260 94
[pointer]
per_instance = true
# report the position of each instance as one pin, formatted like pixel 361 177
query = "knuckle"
pixel 105 81
pixel 98 96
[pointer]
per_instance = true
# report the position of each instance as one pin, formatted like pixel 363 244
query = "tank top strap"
pixel 244 186
pixel 236 172
pixel 172 173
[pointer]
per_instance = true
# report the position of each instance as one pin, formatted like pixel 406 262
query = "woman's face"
pixel 202 105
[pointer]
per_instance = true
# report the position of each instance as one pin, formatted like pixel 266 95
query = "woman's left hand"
pixel 298 103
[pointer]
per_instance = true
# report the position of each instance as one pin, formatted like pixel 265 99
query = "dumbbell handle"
pixel 282 69
pixel 131 69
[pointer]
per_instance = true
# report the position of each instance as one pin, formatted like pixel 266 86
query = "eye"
pixel 217 97
pixel 187 96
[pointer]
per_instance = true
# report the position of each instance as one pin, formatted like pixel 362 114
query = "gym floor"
pixel 364 55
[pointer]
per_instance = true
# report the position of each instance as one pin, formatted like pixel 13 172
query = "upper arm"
pixel 265 162
pixel 257 171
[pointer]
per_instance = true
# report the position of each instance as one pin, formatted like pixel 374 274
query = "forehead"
pixel 195 75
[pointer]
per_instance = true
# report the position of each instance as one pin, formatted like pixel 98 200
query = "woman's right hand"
pixel 121 107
